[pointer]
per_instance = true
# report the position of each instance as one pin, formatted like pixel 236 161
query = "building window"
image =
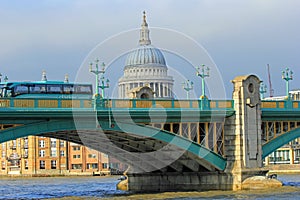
pixel 92 156
pixel 53 143
pixel 42 164
pixel 14 144
pixel 76 166
pixel 76 156
pixel 53 164
pixel 104 165
pixel 92 166
pixel 53 152
pixel 3 145
pixel 25 153
pixel 42 153
pixel 3 154
pixel 62 153
pixel 26 164
pixel 3 165
pixel 76 148
pixel 42 143
pixel 62 143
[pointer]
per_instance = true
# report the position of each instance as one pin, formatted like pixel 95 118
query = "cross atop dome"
pixel 144 32
pixel 144 19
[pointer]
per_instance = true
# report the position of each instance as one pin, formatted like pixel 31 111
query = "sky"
pixel 232 37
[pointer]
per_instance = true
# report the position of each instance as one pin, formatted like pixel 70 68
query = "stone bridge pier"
pixel 242 135
pixel 242 146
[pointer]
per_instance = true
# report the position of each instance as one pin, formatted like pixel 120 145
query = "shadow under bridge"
pixel 144 148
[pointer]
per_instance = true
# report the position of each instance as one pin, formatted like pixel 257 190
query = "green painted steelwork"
pixel 279 141
pixel 58 115
pixel 280 115
pixel 228 105
pixel 36 128
pixel 212 158
pixel 40 128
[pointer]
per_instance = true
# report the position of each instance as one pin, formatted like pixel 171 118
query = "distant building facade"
pixel 34 155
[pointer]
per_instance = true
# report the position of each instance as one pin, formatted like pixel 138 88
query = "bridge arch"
pixel 279 141
pixel 88 134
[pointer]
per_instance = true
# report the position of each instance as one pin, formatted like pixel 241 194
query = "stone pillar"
pixel 243 148
pixel 159 90
pixel 178 181
pixel 291 154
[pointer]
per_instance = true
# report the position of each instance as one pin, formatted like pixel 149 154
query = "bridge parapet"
pixel 113 103
pixel 279 105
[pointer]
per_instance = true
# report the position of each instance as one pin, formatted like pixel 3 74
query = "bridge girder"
pixel 279 141
pixel 174 151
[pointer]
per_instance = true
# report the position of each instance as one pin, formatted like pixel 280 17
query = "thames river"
pixel 105 188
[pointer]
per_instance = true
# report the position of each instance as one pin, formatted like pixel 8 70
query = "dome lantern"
pixel 144 32
pixel 145 53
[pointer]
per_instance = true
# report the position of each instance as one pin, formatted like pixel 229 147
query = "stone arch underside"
pixel 279 141
pixel 142 147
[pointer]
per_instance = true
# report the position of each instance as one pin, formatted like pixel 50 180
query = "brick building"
pixel 36 155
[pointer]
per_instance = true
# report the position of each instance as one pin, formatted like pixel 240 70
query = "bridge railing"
pixel 136 103
pixel 113 103
pixel 44 103
pixel 159 103
pixel 284 104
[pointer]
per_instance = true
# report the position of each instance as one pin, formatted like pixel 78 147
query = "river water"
pixel 105 188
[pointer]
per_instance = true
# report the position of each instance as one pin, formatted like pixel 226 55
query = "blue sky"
pixel 241 37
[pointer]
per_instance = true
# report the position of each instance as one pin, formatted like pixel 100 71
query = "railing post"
pixel 133 103
pixel 204 103
pixel 11 103
pixel 113 103
pixel 59 103
pixel 153 104
pixel 288 104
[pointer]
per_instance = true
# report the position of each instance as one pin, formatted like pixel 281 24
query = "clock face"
pixel 250 88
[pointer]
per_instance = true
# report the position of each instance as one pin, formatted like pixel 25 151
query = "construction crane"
pixel 270 82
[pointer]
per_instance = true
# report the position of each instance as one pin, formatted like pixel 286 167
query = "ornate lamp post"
pixel 187 86
pixel 203 73
pixel 5 78
pixel 287 75
pixel 262 90
pixel 103 85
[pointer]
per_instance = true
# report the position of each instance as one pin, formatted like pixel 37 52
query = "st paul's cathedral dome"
pixel 146 66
